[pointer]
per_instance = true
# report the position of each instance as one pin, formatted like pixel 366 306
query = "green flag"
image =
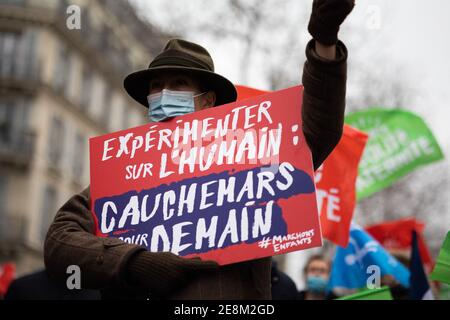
pixel 399 142
pixel 441 271
pixel 370 294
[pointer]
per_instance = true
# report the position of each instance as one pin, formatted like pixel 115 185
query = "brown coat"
pixel 103 261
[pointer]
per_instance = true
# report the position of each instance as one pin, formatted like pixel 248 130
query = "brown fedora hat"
pixel 184 57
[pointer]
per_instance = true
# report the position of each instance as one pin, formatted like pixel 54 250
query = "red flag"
pixel 247 92
pixel 335 180
pixel 7 273
pixel 336 186
pixel 396 235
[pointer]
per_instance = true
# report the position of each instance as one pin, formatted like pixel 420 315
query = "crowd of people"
pixel 316 275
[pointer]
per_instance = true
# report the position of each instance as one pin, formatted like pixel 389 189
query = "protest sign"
pixel 399 142
pixel 230 183
pixel 335 180
pixel 441 271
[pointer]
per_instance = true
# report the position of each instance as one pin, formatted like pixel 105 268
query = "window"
pixel 86 25
pixel 8 49
pixel 2 195
pixel 62 70
pixel 2 192
pixel 6 120
pixel 62 7
pixel 15 2
pixel 3 213
pixel 86 88
pixel 104 42
pixel 15 135
pixel 17 54
pixel 79 156
pixel 48 210
pixel 56 141
pixel 105 115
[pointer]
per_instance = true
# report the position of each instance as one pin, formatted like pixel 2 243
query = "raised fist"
pixel 326 17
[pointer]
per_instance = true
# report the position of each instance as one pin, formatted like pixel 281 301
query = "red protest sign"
pixel 336 186
pixel 335 180
pixel 230 183
pixel 396 236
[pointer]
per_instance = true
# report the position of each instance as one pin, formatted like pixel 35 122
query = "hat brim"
pixel 137 83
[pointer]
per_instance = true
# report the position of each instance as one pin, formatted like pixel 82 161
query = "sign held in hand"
pixel 230 183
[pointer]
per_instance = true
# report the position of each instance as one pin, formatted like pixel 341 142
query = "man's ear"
pixel 208 100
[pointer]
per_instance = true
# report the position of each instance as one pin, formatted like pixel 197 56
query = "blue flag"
pixel 353 265
pixel 420 288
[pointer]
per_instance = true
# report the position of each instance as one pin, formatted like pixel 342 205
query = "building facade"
pixel 59 86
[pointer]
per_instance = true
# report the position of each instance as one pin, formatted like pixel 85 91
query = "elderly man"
pixel 178 81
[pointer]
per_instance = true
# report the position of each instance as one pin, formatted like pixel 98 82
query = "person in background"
pixel 398 291
pixel 38 286
pixel 316 273
pixel 283 287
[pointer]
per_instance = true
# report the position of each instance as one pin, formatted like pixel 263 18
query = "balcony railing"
pixel 20 78
pixel 17 147
pixel 13 2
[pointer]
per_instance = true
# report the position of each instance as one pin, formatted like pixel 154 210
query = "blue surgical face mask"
pixel 316 284
pixel 167 104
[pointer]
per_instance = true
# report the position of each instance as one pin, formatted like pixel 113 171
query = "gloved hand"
pixel 162 272
pixel 326 17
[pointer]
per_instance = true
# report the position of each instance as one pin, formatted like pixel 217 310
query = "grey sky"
pixel 412 33
pixel 409 42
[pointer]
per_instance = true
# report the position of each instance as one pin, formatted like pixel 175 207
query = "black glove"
pixel 326 17
pixel 162 272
